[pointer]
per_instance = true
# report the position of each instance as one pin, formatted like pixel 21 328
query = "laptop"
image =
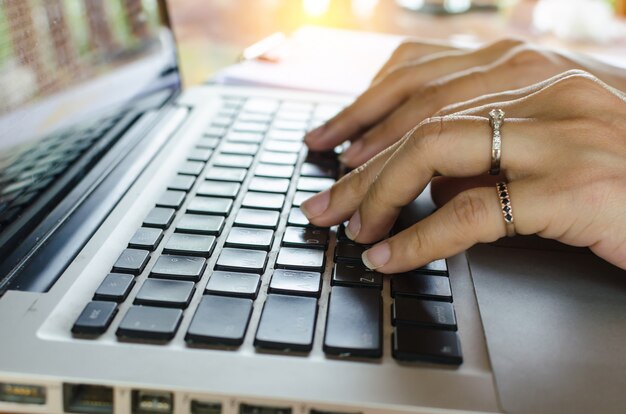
pixel 153 258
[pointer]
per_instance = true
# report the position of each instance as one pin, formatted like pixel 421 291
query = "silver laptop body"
pixel 541 326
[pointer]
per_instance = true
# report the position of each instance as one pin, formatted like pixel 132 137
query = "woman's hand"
pixel 563 153
pixel 421 78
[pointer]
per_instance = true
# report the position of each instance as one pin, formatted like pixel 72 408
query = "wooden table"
pixel 211 35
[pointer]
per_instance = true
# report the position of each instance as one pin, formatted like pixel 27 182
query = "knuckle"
pixel 508 43
pixel 418 242
pixel 402 49
pixel 356 182
pixel 470 210
pixel 576 88
pixel 525 55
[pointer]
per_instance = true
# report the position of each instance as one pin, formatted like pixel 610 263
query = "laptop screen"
pixel 74 75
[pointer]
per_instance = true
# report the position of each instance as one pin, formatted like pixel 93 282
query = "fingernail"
pixel 315 134
pixel 354 226
pixel 377 256
pixel 353 150
pixel 316 205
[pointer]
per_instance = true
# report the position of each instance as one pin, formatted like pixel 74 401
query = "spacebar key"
pixel 353 323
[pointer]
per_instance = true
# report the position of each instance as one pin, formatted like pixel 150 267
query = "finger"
pixel 460 87
pixel 474 216
pixel 381 99
pixel 444 189
pixel 338 203
pixel 411 51
pixel 507 96
pixel 454 147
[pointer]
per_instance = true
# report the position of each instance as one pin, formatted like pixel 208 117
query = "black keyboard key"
pixel 438 267
pixel 300 196
pixel 178 267
pixel 287 323
pixel 210 205
pixel 283 146
pixel 239 148
pixel 132 261
pixel 314 184
pixel 254 117
pixel 220 321
pixel 235 175
pixel 274 171
pixel 249 238
pixel 305 237
pixel 296 282
pixel 235 161
pixel 421 286
pixel 246 137
pixel 149 322
pixel 115 287
pixel 349 252
pixel 297 218
pixel 300 259
pixel 245 285
pixel 261 105
pixel 264 200
pixel 353 323
pixel 208 142
pixel 199 154
pixel 317 170
pixel 200 224
pixel 322 157
pixel 341 234
pixel 190 244
pixel 191 168
pixel 159 217
pixel 222 121
pixel 95 318
pixel 345 274
pixel 166 293
pixel 279 158
pixel 269 185
pixel 412 311
pixel 412 343
pixel 182 182
pixel 218 189
pixel 266 219
pixel 171 198
pixel 285 135
pixel 257 127
pixel 146 238
pixel 215 131
pixel 290 125
pixel 242 260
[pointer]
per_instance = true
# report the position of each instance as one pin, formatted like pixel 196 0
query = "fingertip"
pixel 378 256
pixel 349 156
pixel 315 133
pixel 315 206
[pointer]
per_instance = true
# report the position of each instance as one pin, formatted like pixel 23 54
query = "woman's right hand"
pixel 422 78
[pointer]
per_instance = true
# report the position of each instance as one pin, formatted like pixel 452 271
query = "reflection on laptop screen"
pixel 71 75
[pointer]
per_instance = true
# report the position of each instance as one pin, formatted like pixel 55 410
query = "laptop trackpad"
pixel 555 324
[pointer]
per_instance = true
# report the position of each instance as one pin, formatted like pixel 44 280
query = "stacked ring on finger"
pixel 496 118
pixel 507 210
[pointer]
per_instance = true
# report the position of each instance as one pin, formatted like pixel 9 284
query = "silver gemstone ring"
pixel 507 210
pixel 496 118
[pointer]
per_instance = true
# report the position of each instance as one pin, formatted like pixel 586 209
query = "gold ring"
pixel 507 210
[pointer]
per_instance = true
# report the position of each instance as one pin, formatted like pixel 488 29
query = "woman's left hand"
pixel 563 154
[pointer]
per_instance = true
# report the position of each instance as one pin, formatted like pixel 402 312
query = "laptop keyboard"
pixel 229 225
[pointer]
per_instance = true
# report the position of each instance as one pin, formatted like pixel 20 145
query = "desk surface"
pixel 211 35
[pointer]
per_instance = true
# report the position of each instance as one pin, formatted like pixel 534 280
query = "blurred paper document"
pixel 317 59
